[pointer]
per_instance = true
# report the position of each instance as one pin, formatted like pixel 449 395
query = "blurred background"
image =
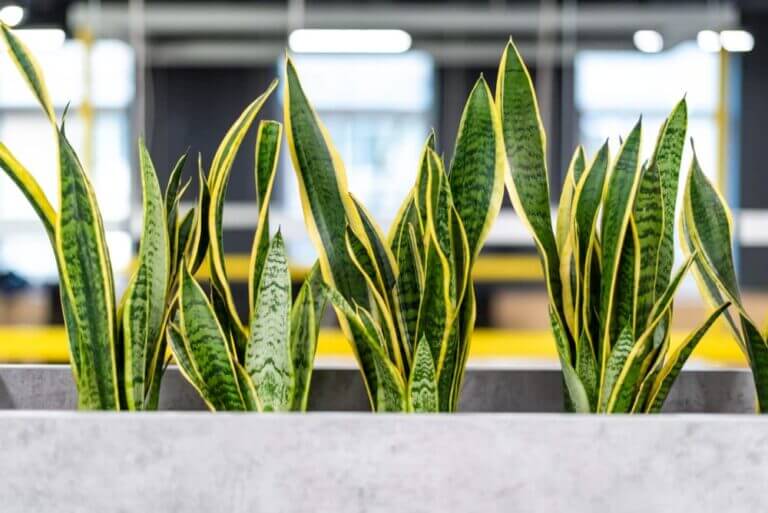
pixel 381 74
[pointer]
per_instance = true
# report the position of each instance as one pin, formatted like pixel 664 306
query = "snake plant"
pixel 406 301
pixel 706 230
pixel 608 262
pixel 117 350
pixel 266 366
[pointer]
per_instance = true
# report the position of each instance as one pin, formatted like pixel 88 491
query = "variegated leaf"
pixel 268 357
pixel 422 383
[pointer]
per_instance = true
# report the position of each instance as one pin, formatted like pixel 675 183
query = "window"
pixel 24 247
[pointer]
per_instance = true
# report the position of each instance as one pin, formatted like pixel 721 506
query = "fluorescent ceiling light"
pixel 349 41
pixel 648 41
pixel 737 40
pixel 11 15
pixel 708 40
pixel 41 39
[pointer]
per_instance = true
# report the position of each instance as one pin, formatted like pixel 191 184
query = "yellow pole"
pixel 85 36
pixel 722 123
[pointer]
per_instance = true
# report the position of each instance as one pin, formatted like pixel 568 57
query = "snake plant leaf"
pixel 198 246
pixel 152 398
pixel 382 254
pixel 569 279
pixel 268 357
pixel 248 389
pixel 390 390
pixel 477 171
pixel 364 261
pixel 422 180
pixel 674 364
pixel 665 301
pixel 757 354
pixel 710 228
pixel 565 207
pixel 44 210
pixel 30 69
pixel 628 381
pixel 87 281
pixel 172 194
pixel 619 198
pixel 707 285
pixel 362 257
pixel 576 396
pixel 649 220
pixel 410 273
pixel 208 346
pixel 667 158
pixel 30 188
pixel 303 332
pixel 586 368
pixel 319 299
pixel 451 350
pixel 218 180
pixel 144 307
pixel 413 209
pixel 267 151
pixel 219 305
pixel 436 307
pixel 652 367
pixel 387 272
pixel 616 361
pixel 422 383
pixel 627 277
pixel 586 200
pixel 184 234
pixel 327 206
pixel 526 178
pixel 27 65
pixel 182 355
pixel 389 385
pixel 466 322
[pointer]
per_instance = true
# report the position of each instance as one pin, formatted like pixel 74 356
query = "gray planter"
pixel 345 463
pixel 199 462
pixel 50 387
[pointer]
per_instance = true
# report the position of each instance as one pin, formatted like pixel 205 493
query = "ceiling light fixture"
pixel 648 41
pixel 737 40
pixel 708 41
pixel 349 41
pixel 11 15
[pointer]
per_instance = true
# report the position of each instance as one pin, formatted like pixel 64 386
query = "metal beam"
pixel 196 19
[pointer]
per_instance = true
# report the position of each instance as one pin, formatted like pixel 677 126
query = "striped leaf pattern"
pixel 707 233
pixel 422 383
pixel 414 285
pixel 268 359
pixel 87 281
pixel 208 346
pixel 608 263
pixel 267 150
pixel 218 179
pixel 143 312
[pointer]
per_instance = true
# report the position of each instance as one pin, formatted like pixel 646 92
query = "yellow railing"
pixel 48 344
pixel 488 268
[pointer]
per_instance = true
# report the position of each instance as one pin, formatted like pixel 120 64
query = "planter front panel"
pixel 344 463
pixel 50 387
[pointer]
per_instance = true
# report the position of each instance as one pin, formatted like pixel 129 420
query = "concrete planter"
pixel 345 463
pixel 350 462
pixel 50 387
